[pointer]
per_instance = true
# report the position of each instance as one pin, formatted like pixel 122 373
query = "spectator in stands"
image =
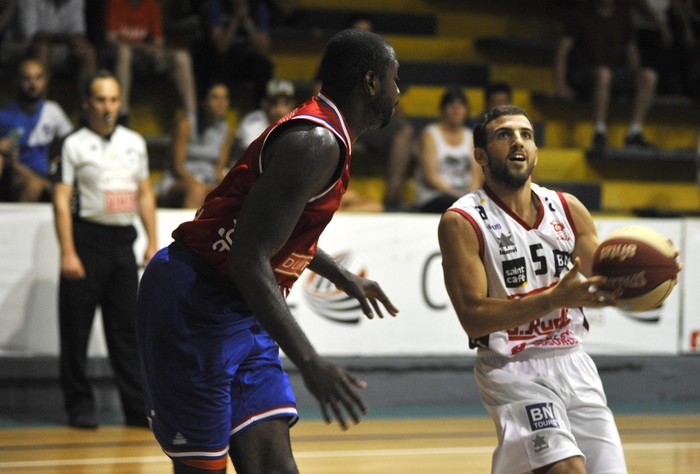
pixel 7 15
pixel 497 94
pixel 666 41
pixel 54 31
pixel 598 57
pixel 106 165
pixel 201 151
pixel 693 83
pixel 279 100
pixel 446 169
pixel 236 46
pixel 134 32
pixel 29 125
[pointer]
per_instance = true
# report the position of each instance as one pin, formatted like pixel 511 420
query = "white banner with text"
pixel 400 251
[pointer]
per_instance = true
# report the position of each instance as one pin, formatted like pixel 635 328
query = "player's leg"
pixel 534 431
pixel 262 409
pixel 572 465
pixel 185 329
pixel 592 421
pixel 193 338
pixel 264 447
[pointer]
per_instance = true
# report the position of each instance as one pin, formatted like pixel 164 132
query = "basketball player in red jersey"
pixel 212 310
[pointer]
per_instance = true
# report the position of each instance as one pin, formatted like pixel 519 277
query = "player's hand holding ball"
pixel 640 263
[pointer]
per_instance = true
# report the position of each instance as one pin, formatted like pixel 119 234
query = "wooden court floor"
pixel 654 444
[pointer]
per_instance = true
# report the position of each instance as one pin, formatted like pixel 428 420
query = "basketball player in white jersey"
pixel 511 254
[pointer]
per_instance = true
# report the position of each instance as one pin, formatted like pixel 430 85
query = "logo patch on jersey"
pixel 561 260
pixel 515 272
pixel 224 244
pixel 560 230
pixel 541 416
pixel 540 443
pixel 506 244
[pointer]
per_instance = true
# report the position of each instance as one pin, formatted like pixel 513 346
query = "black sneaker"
pixel 600 140
pixel 85 421
pixel 637 140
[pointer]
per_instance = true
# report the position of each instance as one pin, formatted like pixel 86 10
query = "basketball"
pixel 639 261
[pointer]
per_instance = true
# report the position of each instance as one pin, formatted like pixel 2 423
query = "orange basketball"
pixel 639 261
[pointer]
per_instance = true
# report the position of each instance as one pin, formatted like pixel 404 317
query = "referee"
pixel 105 166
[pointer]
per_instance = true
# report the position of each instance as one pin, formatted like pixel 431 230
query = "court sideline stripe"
pixel 322 454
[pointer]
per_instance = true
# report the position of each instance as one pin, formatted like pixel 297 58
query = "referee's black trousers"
pixel 111 282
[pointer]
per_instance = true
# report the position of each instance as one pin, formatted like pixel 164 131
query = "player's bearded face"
pixel 501 173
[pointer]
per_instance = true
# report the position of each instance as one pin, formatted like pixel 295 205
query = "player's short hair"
pixel 480 132
pixel 349 55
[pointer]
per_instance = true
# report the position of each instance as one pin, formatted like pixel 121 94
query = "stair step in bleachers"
pixel 468 75
pixel 322 22
pixel 299 59
pixel 517 49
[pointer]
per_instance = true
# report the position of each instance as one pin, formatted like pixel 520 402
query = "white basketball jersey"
pixel 520 261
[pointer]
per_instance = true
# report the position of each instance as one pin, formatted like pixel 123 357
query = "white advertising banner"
pixel 402 254
pixel 690 282
pixel 400 251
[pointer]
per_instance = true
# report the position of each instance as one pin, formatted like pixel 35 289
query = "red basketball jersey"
pixel 209 234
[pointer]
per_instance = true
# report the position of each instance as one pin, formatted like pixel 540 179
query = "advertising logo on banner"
pixel 402 255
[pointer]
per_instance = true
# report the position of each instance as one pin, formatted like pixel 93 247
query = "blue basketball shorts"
pixel 209 369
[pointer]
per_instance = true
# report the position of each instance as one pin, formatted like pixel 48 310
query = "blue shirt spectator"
pixel 29 124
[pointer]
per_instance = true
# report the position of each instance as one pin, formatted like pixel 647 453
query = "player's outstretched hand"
pixel 573 291
pixel 336 391
pixel 368 293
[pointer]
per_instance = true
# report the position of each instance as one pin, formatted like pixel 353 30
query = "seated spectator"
pixel 446 170
pixel 134 32
pixel 54 32
pixel 236 46
pixel 29 125
pixel 597 58
pixel 279 100
pixel 201 151
pixel 495 94
pixel 664 34
pixel 7 16
pixel 391 146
